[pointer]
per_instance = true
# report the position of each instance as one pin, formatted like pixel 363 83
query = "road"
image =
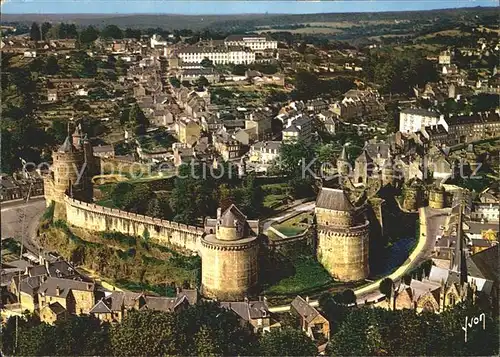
pixel 13 224
pixel 303 207
pixel 430 220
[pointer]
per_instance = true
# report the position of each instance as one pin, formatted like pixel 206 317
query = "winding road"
pixel 20 218
pixel 430 221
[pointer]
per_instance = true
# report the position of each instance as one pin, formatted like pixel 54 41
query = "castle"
pixel 228 244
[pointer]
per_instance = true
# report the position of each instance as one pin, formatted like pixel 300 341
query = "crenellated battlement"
pixel 97 218
pixel 115 212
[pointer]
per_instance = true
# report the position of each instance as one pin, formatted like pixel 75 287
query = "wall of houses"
pixel 97 218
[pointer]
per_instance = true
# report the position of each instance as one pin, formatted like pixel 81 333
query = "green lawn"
pixel 272 201
pixel 308 275
pixel 295 225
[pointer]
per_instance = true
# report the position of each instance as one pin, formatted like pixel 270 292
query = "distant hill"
pixel 248 21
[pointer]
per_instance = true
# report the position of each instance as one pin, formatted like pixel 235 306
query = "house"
pixel 445 58
pixel 255 313
pixel 52 313
pixel 113 308
pixel 265 152
pixel 412 120
pixel 315 325
pixel 189 131
pixel 77 297
pixel 52 94
pixel 104 151
pixel 259 122
pixel 228 147
pixel 299 128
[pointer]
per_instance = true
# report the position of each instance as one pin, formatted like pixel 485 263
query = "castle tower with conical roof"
pixel 69 175
pixel 229 253
pixel 343 236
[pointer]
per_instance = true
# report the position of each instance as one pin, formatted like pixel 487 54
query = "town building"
pixel 189 131
pixel 258 43
pixel 412 120
pixel 255 313
pixel 315 325
pixel 265 152
pixel 218 55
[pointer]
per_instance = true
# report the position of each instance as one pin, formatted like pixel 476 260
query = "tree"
pixel 286 342
pixel 386 287
pixel 138 119
pixel 145 333
pixel 112 31
pixel 206 63
pixel 35 33
pixel 202 82
pixel 46 26
pixel 89 35
pixel 51 66
pixel 132 33
pixel 239 70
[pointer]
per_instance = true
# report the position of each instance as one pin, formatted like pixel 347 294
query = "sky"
pixel 209 7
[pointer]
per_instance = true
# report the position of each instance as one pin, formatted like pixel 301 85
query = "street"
pixel 303 207
pixel 15 225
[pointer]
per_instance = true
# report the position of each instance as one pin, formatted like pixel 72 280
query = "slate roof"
pixel 67 146
pixel 28 285
pixel 248 310
pixel 334 199
pixel 100 308
pixel 49 286
pixel 159 303
pixel 57 308
pixel 231 216
pixel 484 264
pixel 190 294
pixel 364 157
pixel 378 148
pixel 307 312
pixel 422 112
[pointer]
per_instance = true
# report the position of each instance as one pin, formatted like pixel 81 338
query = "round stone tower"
pixel 437 197
pixel 413 194
pixel 343 236
pixel 69 172
pixel 67 164
pixel 229 251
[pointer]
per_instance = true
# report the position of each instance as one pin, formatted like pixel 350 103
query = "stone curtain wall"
pixel 98 218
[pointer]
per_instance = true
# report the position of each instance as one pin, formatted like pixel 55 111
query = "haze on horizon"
pixel 209 7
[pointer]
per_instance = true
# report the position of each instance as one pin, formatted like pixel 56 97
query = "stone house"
pixel 265 152
pixel 77 297
pixel 259 122
pixel 255 313
pixel 52 313
pixel 226 146
pixel 315 325
pixel 189 131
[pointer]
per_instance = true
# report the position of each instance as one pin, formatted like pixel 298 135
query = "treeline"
pixel 399 72
pixel 206 329
pixel 201 330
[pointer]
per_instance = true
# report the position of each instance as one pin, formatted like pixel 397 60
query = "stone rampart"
pixel 98 218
